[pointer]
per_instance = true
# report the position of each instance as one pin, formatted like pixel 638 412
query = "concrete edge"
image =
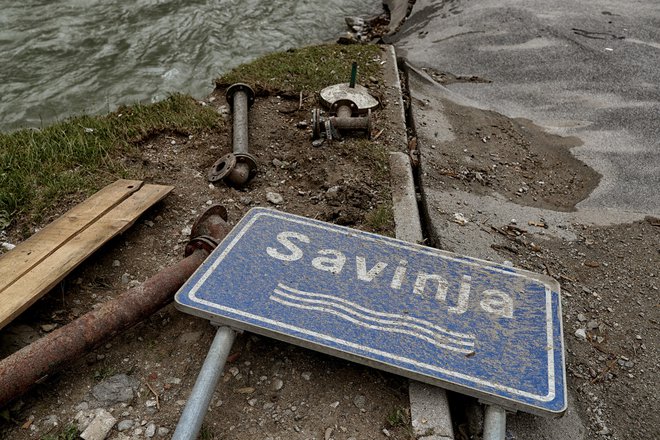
pixel 429 407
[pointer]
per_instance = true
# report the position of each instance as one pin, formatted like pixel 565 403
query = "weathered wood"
pixel 32 251
pixel 61 261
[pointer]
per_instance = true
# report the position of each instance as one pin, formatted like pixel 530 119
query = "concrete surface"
pixel 584 69
pixel 588 69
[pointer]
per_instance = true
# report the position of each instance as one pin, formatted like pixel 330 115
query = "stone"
pixel 593 324
pixel 116 389
pixel 274 198
pixel 360 401
pixel 100 426
pixel 116 263
pixel 328 434
pixel 306 375
pixel 48 327
pixel 125 278
pixel 150 430
pixel 581 334
pixel 125 425
pixel 277 384
pixel 163 431
pixel 317 143
pixel 50 422
pixel 581 317
pixel 245 200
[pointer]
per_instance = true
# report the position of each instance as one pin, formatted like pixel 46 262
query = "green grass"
pixel 308 69
pixel 381 219
pixel 41 168
pixel 397 417
pixel 69 433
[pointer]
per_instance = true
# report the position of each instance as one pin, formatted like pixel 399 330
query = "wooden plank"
pixel 51 270
pixel 35 249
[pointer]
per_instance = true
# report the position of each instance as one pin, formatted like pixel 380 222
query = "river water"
pixel 64 57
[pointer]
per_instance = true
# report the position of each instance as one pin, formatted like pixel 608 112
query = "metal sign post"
pixel 475 327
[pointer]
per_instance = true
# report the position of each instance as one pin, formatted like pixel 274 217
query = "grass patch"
pixel 41 168
pixel 306 69
pixel 381 219
pixel 397 417
pixel 69 433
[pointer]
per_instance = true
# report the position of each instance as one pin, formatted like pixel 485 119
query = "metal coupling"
pixel 238 167
pixel 344 116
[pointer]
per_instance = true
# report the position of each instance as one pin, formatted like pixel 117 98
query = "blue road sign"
pixel 476 327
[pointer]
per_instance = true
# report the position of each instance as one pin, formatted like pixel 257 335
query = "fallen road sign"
pixel 472 326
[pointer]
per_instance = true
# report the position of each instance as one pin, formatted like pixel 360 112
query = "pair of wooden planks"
pixel 36 265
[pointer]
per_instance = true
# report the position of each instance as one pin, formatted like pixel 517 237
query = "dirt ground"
pixel 270 390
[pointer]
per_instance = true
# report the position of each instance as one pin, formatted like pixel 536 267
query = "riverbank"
pixel 270 388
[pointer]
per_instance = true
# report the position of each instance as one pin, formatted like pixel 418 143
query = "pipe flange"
pixel 222 167
pixel 201 225
pixel 205 242
pixel 345 102
pixel 250 161
pixel 316 124
pixel 239 87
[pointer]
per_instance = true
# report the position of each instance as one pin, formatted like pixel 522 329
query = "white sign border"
pixel 420 249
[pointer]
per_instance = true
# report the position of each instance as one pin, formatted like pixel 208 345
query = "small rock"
pixel 328 434
pixel 149 223
pixel 125 278
pixel 48 327
pixel 186 231
pixel 334 404
pixel 332 192
pixel 50 422
pixel 116 263
pixel 306 375
pixel 460 219
pixel 278 163
pixel 133 284
pixel 100 426
pixel 125 425
pixel 386 433
pixel 151 403
pixel 245 200
pixel 317 143
pixel 252 402
pixel 593 324
pixel 150 430
pixel 163 431
pixel 581 334
pixel 173 380
pixel 581 317
pixel 360 401
pixel 274 198
pixel 116 389
pixel 302 124
pixel 7 246
pixel 277 384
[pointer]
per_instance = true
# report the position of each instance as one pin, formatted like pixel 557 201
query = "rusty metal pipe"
pixel 22 369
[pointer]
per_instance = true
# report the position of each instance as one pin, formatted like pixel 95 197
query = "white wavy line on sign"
pixel 414 321
pixel 371 326
pixel 396 324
